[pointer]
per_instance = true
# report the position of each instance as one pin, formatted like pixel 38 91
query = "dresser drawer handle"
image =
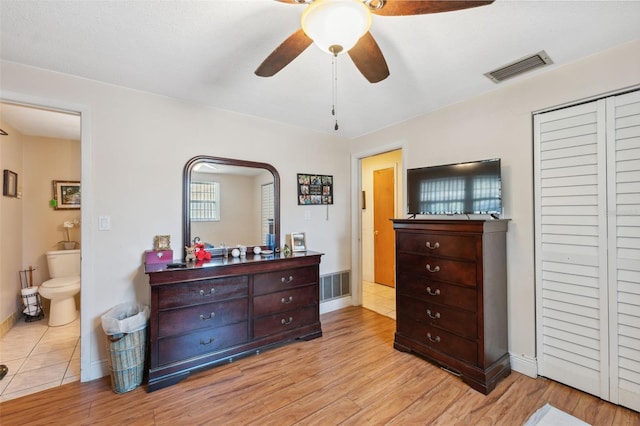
pixel 436 316
pixel 211 315
pixel 286 301
pixel 286 280
pixel 203 343
pixel 205 294
pixel 286 322
pixel 433 293
pixel 436 269
pixel 436 340
pixel 432 247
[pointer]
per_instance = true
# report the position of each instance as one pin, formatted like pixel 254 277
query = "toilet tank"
pixel 63 263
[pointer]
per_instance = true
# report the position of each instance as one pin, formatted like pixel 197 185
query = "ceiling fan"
pixel 339 26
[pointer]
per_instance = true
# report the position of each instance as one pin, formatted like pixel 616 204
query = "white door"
pixel 623 159
pixel 571 245
pixel 587 166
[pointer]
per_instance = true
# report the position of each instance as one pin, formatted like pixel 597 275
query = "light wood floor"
pixel 352 376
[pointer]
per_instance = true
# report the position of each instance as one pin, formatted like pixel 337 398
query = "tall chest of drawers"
pixel 451 296
pixel 207 314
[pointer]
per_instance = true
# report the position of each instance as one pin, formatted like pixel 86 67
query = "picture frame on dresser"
pixel 298 242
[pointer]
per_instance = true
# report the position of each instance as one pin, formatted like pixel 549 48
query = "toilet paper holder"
pixel 30 297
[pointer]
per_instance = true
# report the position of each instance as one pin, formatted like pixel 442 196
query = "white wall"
pixel 133 150
pixel 499 124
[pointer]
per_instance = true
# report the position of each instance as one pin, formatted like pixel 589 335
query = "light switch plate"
pixel 104 223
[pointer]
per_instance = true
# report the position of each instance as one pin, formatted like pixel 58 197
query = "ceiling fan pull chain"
pixel 334 109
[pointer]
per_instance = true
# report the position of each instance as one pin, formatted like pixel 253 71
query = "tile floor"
pixel 39 357
pixel 379 298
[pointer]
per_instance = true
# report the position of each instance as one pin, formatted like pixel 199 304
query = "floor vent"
pixel 520 66
pixel 335 285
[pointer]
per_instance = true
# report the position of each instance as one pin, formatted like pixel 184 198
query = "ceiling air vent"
pixel 520 66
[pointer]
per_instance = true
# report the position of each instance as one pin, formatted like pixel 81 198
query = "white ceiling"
pixel 206 52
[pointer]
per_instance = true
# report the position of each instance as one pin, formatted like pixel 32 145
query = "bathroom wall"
pixel 10 229
pixel 29 227
pixel 46 160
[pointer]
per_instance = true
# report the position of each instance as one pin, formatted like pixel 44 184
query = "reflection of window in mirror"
pixel 205 201
pixel 267 209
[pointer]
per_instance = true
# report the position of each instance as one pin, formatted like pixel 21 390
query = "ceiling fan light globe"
pixel 336 23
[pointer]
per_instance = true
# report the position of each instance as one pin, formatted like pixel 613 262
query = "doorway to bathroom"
pixel 41 146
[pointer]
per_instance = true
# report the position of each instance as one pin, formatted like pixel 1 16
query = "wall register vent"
pixel 520 66
pixel 334 286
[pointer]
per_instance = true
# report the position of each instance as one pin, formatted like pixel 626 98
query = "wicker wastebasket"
pixel 126 328
pixel 126 359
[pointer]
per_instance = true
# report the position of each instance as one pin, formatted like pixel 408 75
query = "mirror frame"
pixel 186 193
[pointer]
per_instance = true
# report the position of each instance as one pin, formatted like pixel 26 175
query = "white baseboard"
pixel 524 365
pixel 335 304
pixel 97 370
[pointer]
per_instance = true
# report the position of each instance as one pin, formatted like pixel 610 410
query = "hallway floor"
pixel 379 298
pixel 39 357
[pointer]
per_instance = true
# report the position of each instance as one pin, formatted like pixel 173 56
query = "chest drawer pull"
pixel 211 315
pixel 436 316
pixel 436 269
pixel 436 340
pixel 286 301
pixel 205 294
pixel 432 247
pixel 203 343
pixel 286 280
pixel 286 322
pixel 433 293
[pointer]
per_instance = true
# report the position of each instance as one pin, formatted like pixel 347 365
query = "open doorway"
pixel 381 185
pixel 45 145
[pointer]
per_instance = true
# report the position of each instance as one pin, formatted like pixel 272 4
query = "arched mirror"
pixel 230 202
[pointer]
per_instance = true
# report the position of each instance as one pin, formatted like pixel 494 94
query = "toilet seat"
pixel 60 282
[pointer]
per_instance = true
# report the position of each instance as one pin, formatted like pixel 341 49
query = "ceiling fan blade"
pixel 421 7
pixel 368 58
pixel 292 1
pixel 284 54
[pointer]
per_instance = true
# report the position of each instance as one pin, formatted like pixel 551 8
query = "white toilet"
pixel 64 269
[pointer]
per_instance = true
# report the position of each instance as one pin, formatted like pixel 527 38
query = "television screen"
pixel 465 188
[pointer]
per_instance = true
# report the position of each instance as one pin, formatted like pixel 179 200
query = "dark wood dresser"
pixel 218 310
pixel 451 296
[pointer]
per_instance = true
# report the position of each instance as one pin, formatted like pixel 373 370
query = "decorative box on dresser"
pixel 215 311
pixel 451 296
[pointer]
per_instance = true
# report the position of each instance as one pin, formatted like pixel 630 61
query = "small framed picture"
pixel 162 242
pixel 298 242
pixel 10 184
pixel 67 194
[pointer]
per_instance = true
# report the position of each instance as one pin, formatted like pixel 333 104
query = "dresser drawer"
pixel 438 339
pixel 438 292
pixel 438 269
pixel 277 323
pixel 280 280
pixel 210 315
pixel 285 300
pixel 171 349
pixel 456 321
pixel 455 246
pixel 203 291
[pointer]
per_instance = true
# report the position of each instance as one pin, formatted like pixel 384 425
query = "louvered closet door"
pixel 571 243
pixel 587 166
pixel 623 165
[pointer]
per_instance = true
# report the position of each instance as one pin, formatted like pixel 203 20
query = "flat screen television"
pixel 465 188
